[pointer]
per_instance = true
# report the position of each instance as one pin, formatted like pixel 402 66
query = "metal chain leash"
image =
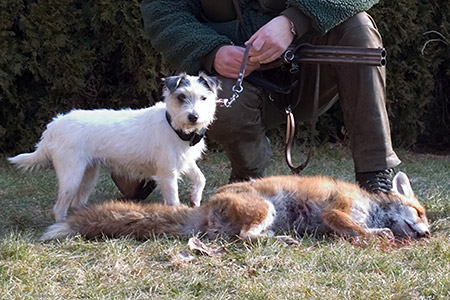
pixel 238 87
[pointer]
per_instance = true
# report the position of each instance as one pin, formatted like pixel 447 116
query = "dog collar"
pixel 193 137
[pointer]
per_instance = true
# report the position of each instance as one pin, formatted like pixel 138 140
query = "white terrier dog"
pixel 160 142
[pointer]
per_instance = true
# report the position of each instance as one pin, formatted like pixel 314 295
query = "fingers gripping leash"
pixel 238 88
pixel 292 57
pixel 306 53
pixel 290 131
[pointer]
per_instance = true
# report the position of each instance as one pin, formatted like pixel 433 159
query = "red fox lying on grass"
pixel 261 208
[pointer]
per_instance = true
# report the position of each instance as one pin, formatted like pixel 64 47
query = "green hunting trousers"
pixel 361 91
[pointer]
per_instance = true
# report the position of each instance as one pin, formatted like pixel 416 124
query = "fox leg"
pixel 341 223
pixel 243 214
pixel 382 232
pixel 260 226
pixel 253 231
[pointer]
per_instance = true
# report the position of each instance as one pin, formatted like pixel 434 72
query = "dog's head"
pixel 405 214
pixel 191 100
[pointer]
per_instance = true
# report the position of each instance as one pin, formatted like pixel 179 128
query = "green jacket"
pixel 183 32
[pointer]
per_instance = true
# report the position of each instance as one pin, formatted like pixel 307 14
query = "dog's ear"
pixel 173 82
pixel 211 82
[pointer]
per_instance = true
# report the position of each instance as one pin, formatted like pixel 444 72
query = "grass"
pixel 320 268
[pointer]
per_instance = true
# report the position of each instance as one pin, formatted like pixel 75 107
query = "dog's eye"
pixel 181 97
pixel 203 98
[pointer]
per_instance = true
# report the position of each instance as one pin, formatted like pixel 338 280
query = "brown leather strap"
pixel 240 19
pixel 237 88
pixel 290 129
pixel 290 132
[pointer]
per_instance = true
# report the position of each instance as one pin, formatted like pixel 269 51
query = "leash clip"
pixel 238 88
pixel 236 92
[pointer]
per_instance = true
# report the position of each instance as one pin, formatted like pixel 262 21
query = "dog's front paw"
pixel 196 198
pixel 195 202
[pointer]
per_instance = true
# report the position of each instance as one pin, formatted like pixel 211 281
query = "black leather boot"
pixel 133 189
pixel 377 181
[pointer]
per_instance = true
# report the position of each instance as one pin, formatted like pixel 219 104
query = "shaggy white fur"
pixel 141 143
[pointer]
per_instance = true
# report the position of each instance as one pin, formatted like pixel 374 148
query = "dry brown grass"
pixel 320 268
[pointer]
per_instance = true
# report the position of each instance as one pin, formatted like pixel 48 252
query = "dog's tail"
pixel 30 161
pixel 58 231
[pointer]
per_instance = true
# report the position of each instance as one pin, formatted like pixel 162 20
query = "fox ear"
pixel 401 185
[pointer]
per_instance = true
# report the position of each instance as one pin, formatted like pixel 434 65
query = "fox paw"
pixel 287 240
pixel 385 233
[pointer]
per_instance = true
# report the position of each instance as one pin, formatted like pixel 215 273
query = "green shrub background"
pixel 56 55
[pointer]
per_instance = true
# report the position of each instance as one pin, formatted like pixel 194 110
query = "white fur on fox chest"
pixel 360 211
pixel 133 142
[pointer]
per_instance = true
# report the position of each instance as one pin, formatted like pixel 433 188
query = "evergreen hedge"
pixel 56 55
pixel 418 86
pixel 62 54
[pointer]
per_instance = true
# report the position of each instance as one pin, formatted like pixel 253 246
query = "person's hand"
pixel 228 60
pixel 271 40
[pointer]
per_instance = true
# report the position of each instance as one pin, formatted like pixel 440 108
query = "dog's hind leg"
pixel 70 174
pixel 198 184
pixel 87 186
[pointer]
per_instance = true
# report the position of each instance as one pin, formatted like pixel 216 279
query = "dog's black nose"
pixel 193 118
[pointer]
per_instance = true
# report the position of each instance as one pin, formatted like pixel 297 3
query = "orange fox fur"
pixel 261 207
